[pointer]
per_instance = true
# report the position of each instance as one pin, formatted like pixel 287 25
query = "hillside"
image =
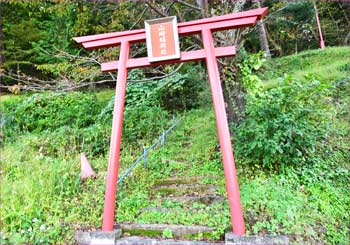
pixel 331 64
pixel 44 201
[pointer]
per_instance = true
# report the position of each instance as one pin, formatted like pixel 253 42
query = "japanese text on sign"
pixel 162 39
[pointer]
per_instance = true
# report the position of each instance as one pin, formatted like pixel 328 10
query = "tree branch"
pixel 140 18
pixel 188 5
pixel 156 9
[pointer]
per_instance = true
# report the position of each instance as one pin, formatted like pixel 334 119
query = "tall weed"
pixel 286 125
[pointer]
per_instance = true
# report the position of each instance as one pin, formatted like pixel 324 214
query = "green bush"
pixel 178 92
pixel 181 91
pixel 62 124
pixel 50 111
pixel 92 140
pixel 145 93
pixel 142 122
pixel 341 96
pixel 285 125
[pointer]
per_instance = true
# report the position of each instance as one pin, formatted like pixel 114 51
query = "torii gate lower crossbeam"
pixel 205 27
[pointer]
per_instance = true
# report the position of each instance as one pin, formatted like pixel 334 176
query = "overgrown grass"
pixel 39 191
pixel 44 201
pixel 330 64
pixel 309 206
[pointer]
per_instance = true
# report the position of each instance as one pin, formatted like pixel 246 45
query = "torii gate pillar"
pixel 114 151
pixel 209 53
pixel 224 135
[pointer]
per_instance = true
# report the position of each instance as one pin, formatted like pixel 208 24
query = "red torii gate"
pixel 210 53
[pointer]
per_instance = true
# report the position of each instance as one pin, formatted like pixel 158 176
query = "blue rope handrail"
pixel 143 156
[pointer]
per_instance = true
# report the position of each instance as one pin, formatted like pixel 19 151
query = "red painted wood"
pixel 116 137
pixel 96 37
pixel 185 56
pixel 224 135
pixel 322 46
pixel 186 30
pixel 259 13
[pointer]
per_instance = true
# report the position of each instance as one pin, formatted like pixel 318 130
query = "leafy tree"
pixel 39 53
pixel 20 29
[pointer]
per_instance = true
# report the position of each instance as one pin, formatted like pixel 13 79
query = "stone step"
pixel 176 210
pixel 178 231
pixel 151 241
pixel 178 180
pixel 182 189
pixel 183 180
pixel 205 199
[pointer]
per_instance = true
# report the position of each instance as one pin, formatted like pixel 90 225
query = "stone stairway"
pixel 151 241
pixel 187 190
pixel 182 192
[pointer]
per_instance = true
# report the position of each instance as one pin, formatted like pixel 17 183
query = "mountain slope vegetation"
pixel 292 158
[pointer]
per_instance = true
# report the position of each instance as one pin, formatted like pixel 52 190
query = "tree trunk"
pixel 230 111
pixel 203 4
pixel 347 39
pixel 2 58
pixel 264 45
pixel 233 90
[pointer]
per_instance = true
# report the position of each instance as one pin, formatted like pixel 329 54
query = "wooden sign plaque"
pixel 162 39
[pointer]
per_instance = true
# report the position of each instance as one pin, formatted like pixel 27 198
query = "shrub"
pixel 181 91
pixel 285 125
pixel 92 140
pixel 341 98
pixel 142 122
pixel 50 111
pixel 177 92
pixel 145 93
pixel 74 122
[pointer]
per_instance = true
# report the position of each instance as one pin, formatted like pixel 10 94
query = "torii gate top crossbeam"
pixel 224 22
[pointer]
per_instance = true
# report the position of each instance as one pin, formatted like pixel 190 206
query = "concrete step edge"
pixel 158 229
pixel 206 199
pixel 182 180
pixel 151 241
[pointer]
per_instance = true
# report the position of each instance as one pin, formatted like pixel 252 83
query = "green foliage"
pixel 20 27
pixel 280 204
pixel 74 122
pixel 178 92
pixel 143 121
pixel 49 112
pixel 308 204
pixel 167 233
pixel 138 94
pixel 301 203
pixel 341 97
pixel 181 91
pixel 39 36
pixel 285 125
pixel 292 26
pixel 93 140
pixel 143 124
pixel 42 197
pixel 326 65
pixel 247 68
